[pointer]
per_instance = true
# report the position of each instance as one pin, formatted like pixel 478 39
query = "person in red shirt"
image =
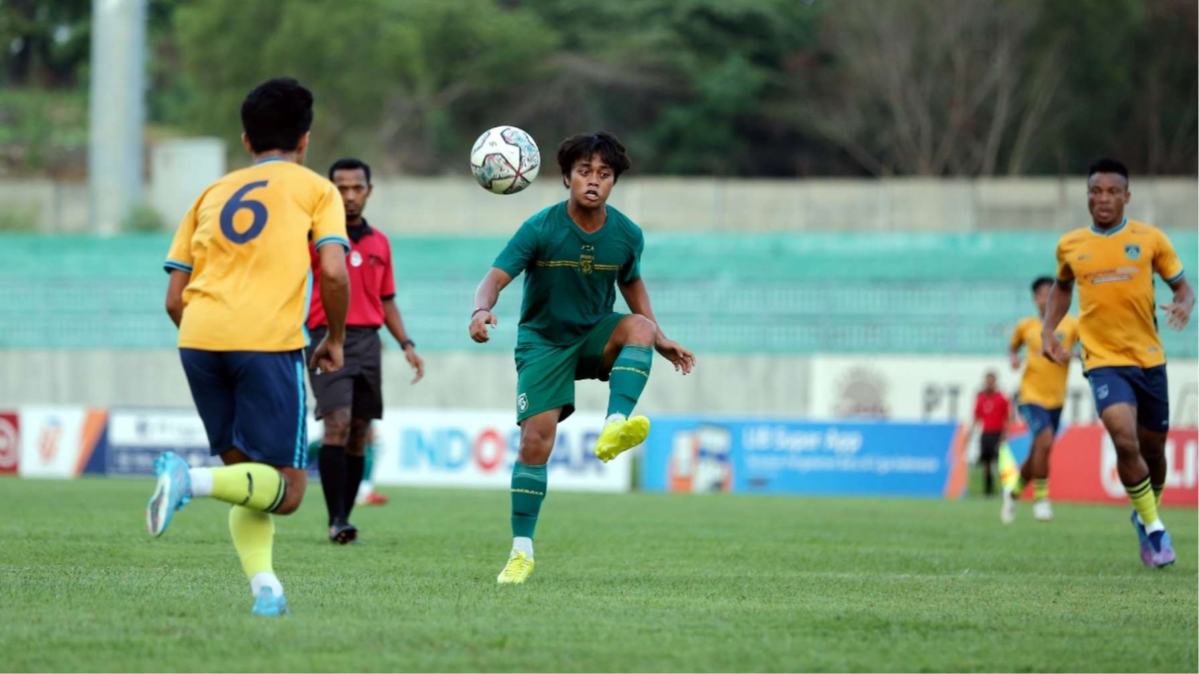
pixel 349 399
pixel 991 409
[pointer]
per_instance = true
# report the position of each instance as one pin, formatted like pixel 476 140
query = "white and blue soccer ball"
pixel 505 160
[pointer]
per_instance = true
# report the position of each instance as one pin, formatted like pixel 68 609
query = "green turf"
pixel 625 582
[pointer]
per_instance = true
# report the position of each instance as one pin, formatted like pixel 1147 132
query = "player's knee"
pixel 358 441
pixel 337 429
pixel 641 330
pixel 293 498
pixel 1126 444
pixel 291 501
pixel 535 447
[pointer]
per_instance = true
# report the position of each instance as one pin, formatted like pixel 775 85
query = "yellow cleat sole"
pixel 620 437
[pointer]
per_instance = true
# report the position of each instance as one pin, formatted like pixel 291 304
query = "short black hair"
pixel 277 114
pixel 1041 281
pixel 350 164
pixel 1108 165
pixel 583 146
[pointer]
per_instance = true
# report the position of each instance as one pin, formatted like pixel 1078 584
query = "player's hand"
pixel 328 357
pixel 1178 314
pixel 416 363
pixel 682 359
pixel 478 326
pixel 1053 349
pixel 1016 362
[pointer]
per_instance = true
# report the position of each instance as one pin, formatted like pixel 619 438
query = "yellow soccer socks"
pixel 254 485
pixel 1142 497
pixel 253 534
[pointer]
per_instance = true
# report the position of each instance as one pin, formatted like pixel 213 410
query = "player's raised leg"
pixel 628 356
pixel 529 486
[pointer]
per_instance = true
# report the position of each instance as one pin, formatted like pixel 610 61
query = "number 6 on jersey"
pixel 237 203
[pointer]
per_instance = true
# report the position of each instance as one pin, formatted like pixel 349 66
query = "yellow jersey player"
pixel 1042 395
pixel 1113 262
pixel 239 292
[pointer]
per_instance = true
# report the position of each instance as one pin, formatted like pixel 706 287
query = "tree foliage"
pixel 714 87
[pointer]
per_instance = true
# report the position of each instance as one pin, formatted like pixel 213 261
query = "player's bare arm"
pixel 335 295
pixel 485 298
pixel 395 325
pixel 637 297
pixel 1060 298
pixel 1178 313
pixel 179 280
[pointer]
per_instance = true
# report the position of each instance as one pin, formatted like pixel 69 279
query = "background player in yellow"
pixel 239 291
pixel 1042 395
pixel 1113 262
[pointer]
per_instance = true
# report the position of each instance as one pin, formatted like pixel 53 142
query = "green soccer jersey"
pixel 570 275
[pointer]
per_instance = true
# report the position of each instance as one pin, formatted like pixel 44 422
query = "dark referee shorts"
pixel 358 385
pixel 253 401
pixel 989 444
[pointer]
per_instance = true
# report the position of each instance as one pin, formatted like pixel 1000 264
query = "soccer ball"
pixel 505 160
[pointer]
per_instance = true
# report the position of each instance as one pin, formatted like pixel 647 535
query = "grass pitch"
pixel 633 582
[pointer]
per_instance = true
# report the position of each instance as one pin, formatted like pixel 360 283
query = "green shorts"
pixel 546 374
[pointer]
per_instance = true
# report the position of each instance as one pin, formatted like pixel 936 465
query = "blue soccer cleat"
pixel 1143 537
pixel 173 492
pixel 267 604
pixel 1163 548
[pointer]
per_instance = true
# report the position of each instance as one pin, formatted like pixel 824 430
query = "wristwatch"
pixel 407 343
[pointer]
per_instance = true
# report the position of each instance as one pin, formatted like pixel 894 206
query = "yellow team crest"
pixel 587 259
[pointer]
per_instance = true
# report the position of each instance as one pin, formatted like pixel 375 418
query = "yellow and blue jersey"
pixel 245 244
pixel 1044 381
pixel 1114 273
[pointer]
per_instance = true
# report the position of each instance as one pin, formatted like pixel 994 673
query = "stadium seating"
pixel 795 294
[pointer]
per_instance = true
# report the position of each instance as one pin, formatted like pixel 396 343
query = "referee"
pixel 349 399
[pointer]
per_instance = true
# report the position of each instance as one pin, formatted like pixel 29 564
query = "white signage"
pixel 442 448
pixel 51 439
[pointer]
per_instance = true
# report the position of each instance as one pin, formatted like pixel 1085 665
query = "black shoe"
pixel 342 533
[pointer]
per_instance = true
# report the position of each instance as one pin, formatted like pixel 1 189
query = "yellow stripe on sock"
pixel 1141 495
pixel 1040 489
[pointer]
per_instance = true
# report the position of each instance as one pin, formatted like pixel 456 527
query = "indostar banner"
pixel 764 456
pixel 444 448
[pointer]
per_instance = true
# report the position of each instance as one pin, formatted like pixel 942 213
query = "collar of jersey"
pixel 1112 231
pixel 356 233
pixel 268 160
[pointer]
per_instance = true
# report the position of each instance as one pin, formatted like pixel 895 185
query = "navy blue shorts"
pixel 253 401
pixel 1039 418
pixel 1143 388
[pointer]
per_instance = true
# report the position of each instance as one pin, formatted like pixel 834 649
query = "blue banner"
pixel 765 456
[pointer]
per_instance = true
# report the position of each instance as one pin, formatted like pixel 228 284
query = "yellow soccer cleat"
pixel 620 436
pixel 517 570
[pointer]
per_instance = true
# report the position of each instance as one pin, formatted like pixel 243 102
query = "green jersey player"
pixel 574 255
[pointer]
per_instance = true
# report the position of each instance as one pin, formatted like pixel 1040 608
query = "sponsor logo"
pixel 862 392
pixel 48 440
pixel 587 259
pixel 1132 251
pixel 10 447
